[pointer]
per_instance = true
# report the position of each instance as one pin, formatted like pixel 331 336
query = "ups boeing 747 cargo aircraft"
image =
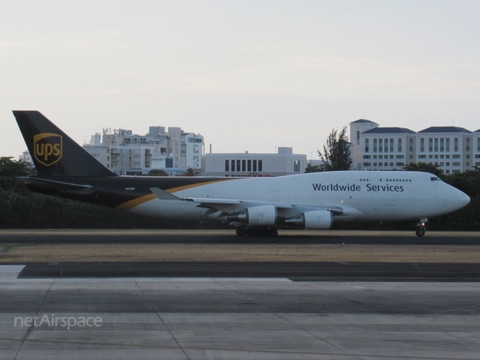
pixel 255 206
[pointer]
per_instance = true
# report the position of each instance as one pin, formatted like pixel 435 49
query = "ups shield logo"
pixel 48 148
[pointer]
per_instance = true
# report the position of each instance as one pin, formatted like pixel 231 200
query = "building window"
pixel 358 137
pixel 367 145
pixel 399 145
pixel 455 144
pixel 233 165
pixel 391 145
pixel 430 145
pixel 422 145
pixel 244 167
pixel 254 165
pixel 227 162
pixel 249 165
pixel 260 165
pixel 374 145
pixel 296 166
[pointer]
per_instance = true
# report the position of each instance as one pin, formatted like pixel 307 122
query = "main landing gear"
pixel 257 231
pixel 420 228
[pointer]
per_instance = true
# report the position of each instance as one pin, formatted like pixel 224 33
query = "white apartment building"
pixel 126 153
pixel 25 157
pixel 453 149
pixel 284 162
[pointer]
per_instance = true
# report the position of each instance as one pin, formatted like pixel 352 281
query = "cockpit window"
pixel 434 178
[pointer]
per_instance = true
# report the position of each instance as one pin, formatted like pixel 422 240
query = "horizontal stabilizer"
pixel 59 186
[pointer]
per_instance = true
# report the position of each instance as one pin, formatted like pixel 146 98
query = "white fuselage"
pixel 361 195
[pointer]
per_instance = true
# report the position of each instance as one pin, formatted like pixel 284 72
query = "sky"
pixel 247 75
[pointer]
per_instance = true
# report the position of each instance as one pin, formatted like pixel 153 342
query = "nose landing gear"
pixel 420 227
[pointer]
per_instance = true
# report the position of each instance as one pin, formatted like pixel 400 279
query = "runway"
pixel 295 271
pixel 243 318
pixel 240 309
pixel 228 237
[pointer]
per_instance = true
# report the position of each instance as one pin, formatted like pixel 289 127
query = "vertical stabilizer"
pixel 52 151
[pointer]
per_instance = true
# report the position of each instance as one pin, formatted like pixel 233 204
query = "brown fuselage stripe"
pixel 135 202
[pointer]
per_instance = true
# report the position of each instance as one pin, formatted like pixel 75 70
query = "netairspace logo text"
pixel 54 321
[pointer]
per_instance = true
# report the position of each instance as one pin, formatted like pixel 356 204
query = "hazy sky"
pixel 247 75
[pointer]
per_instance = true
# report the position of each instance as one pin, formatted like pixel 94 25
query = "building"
pixel 125 153
pixel 284 162
pixel 453 149
pixel 25 157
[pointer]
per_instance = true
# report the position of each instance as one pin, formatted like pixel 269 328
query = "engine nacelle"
pixel 313 220
pixel 263 215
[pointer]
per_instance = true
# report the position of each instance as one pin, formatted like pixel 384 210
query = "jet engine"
pixel 314 220
pixel 263 215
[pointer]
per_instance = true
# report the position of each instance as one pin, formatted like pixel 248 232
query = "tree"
pixel 336 153
pixel 421 166
pixel 157 172
pixel 9 169
pixel 189 172
pixel 314 168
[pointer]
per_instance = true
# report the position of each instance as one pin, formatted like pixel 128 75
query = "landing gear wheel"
pixel 241 231
pixel 420 228
pixel 251 231
pixel 420 231
pixel 272 232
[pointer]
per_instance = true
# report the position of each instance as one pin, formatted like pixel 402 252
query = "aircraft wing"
pixel 229 206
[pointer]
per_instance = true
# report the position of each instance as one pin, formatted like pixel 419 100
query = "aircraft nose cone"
pixel 459 200
pixel 465 200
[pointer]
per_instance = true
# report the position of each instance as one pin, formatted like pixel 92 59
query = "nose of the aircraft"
pixel 458 199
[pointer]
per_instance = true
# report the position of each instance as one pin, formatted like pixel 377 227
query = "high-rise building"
pixel 126 153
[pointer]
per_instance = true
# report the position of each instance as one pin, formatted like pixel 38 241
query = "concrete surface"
pixel 243 318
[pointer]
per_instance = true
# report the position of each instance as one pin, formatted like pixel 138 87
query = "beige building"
pixel 284 162
pixel 453 149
